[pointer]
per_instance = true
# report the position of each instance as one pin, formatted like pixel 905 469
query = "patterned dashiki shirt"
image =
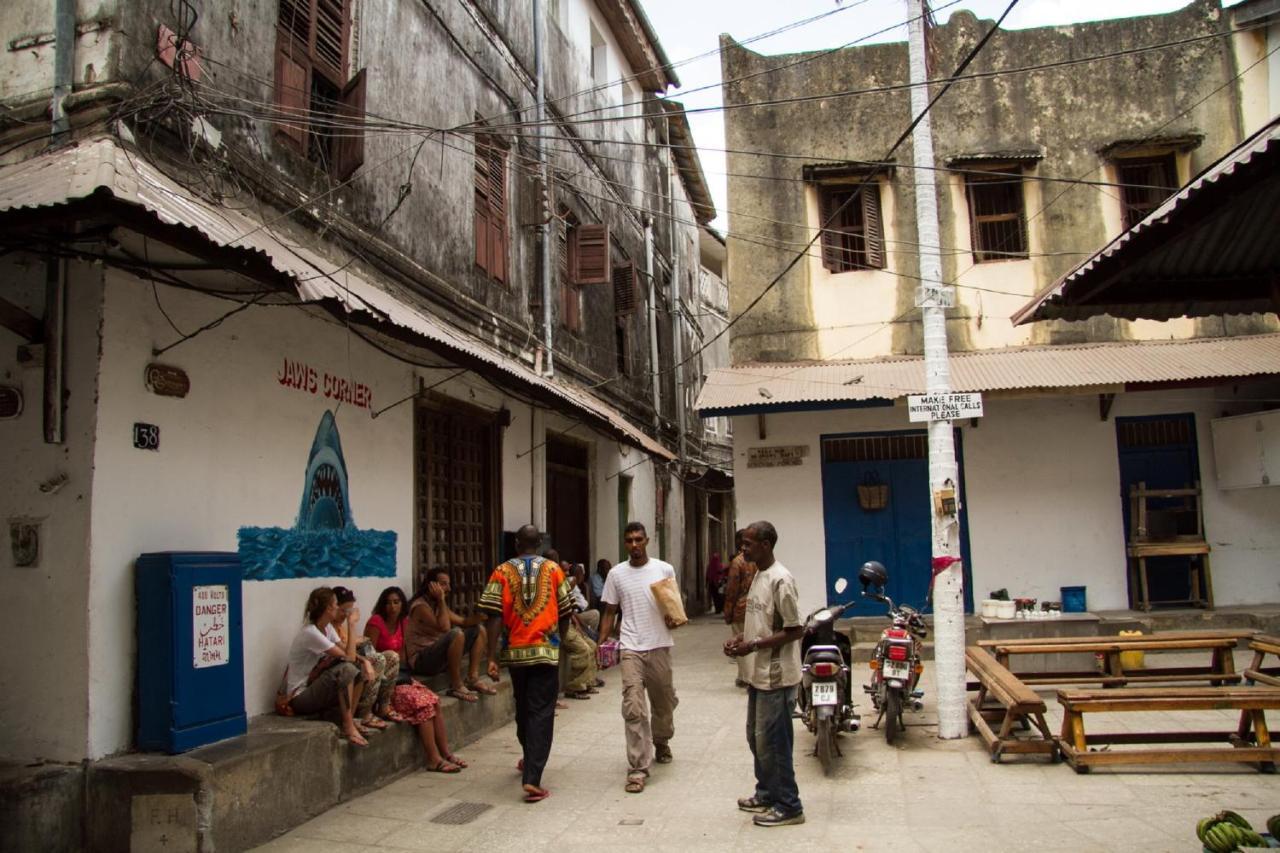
pixel 530 594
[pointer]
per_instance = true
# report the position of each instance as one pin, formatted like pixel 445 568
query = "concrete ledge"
pixel 244 791
pixel 41 808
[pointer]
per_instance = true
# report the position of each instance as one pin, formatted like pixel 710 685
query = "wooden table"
pixel 1251 742
pixel 1220 669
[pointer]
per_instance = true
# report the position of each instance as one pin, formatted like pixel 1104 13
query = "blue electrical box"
pixel 190 650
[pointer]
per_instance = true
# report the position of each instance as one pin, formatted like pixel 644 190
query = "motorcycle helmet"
pixel 872 574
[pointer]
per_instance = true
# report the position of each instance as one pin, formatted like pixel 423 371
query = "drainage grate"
pixel 461 813
pixel 631 821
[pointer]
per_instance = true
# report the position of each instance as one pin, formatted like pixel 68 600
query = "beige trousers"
pixel 744 662
pixel 651 722
pixel 582 661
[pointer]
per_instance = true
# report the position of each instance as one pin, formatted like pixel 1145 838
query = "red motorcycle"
pixel 895 663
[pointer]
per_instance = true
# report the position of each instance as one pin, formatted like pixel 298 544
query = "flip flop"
pixel 534 794
pixel 354 740
pixel 445 766
pixel 481 687
pixel 635 784
pixel 373 723
pixel 560 706
pixel 453 759
pixel 520 765
pixel 576 694
pixel 462 694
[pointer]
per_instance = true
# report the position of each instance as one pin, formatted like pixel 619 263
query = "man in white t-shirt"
pixel 645 658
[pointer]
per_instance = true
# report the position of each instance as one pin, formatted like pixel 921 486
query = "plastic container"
pixel 1135 659
pixel 1074 599
pixel 1005 610
pixel 990 606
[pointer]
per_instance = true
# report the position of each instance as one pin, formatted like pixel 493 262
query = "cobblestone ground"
pixel 921 794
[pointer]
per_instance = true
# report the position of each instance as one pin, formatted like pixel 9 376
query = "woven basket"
pixel 873 497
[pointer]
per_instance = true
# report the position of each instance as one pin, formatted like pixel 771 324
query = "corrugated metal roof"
pixel 1029 155
pixel 104 166
pixel 1049 367
pixel 1165 266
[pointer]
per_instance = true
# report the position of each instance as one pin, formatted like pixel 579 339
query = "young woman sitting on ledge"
pixel 322 672
pixel 419 706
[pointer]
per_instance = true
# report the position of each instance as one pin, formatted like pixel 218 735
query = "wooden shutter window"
pixel 331 35
pixel 827 207
pixel 997 217
pixel 293 95
pixel 348 153
pixel 872 232
pixel 294 17
pixel 625 295
pixel 591 254
pixel 481 175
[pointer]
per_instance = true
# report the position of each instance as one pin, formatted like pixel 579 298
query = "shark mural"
pixel 324 542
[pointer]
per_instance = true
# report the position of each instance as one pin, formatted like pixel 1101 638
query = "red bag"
pixel 607 654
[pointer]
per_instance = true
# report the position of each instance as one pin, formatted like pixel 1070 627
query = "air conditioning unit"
pixel 1246 450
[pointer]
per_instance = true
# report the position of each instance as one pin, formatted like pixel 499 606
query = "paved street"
pixel 923 794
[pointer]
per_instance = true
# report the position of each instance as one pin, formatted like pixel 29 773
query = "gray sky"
pixel 689 28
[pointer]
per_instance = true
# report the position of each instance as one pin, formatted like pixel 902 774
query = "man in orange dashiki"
pixel 528 602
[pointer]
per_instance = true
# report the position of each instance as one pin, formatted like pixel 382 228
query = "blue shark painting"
pixel 324 542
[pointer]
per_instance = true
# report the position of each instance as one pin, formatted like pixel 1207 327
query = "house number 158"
pixel 146 436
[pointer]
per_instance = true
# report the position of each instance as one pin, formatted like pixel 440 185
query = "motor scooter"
pixel 825 702
pixel 895 663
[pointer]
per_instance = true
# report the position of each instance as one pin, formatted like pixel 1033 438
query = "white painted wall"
pixel 45 675
pixel 232 453
pixel 1043 486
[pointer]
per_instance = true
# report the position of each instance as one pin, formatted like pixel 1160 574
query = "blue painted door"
pixel 1160 451
pixel 898 535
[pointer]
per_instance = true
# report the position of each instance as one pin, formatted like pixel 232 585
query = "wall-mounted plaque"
pixel 776 456
pixel 166 380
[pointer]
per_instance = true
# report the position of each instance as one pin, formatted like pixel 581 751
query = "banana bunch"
pixel 1227 831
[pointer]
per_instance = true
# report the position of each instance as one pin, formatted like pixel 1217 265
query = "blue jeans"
pixel 771 738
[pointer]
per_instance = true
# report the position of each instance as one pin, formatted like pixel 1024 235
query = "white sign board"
pixel 777 456
pixel 211 611
pixel 944 407
pixel 935 296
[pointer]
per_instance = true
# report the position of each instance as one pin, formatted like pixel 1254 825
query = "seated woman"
pixel 379 669
pixel 322 671
pixel 418 705
pixel 385 630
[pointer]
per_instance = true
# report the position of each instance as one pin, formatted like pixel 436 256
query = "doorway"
pixel 891 524
pixel 1160 450
pixel 568 500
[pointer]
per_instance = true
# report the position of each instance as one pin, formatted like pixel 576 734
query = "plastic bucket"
pixel 990 607
pixel 1073 599
pixel 1005 610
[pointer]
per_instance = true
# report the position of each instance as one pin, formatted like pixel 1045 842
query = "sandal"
pixel 481 687
pixel 534 794
pixel 372 722
pixel 462 693
pixel 445 766
pixel 576 694
pixel 635 784
pixel 355 740
pixel 453 759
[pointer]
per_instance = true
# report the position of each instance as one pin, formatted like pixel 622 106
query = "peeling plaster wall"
pixel 27 74
pixel 45 677
pixel 1042 481
pixel 1067 113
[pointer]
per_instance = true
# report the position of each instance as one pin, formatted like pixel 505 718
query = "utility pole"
pixel 544 229
pixel 933 298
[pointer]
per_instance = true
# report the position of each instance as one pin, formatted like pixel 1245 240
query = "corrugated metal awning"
pixel 758 387
pixel 106 169
pixel 1209 249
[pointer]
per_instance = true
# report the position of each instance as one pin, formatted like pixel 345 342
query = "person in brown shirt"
pixel 741 573
pixel 436 637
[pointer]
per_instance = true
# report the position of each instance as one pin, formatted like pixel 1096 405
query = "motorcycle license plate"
pixel 824 693
pixel 895 669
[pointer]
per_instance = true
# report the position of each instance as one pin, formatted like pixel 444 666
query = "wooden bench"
pixel 1018 705
pixel 1251 740
pixel 1257 674
pixel 1219 643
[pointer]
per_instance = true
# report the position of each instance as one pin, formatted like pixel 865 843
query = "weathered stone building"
pixel 1053 142
pixel 330 212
